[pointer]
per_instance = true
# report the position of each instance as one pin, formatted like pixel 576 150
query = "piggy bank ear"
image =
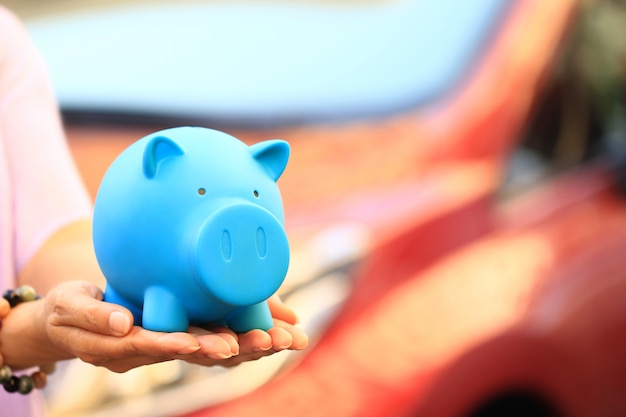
pixel 272 155
pixel 158 149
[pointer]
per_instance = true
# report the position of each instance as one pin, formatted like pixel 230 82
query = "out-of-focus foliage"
pixel 584 98
pixel 599 53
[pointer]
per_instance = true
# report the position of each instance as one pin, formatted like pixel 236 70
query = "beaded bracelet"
pixel 23 384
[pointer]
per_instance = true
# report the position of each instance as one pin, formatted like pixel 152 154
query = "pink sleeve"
pixel 45 189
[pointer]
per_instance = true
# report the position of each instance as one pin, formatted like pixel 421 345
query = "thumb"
pixel 79 304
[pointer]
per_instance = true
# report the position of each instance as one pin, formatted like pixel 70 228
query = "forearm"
pixel 66 255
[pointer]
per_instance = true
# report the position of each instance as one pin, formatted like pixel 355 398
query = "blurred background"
pixel 442 156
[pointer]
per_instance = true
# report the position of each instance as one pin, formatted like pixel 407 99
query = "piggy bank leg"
pixel 163 311
pixel 112 296
pixel 256 316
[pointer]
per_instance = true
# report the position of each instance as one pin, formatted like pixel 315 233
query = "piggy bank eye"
pixel 201 191
pixel 256 193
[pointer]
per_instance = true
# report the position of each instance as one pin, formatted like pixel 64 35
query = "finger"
pixel 281 338
pixel 78 304
pixel 281 311
pixel 160 345
pixel 101 350
pixel 299 338
pixel 224 332
pixel 229 362
pixel 254 341
pixel 225 363
pixel 217 346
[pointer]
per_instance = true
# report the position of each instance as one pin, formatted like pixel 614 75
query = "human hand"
pixel 77 322
pixel 256 344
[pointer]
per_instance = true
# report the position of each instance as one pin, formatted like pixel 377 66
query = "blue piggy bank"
pixel 188 228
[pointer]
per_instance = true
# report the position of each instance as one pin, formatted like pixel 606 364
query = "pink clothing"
pixel 40 190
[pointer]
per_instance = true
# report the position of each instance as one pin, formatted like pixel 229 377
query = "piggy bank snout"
pixel 243 254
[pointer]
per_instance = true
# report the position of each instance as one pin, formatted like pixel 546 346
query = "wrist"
pixel 22 383
pixel 24 341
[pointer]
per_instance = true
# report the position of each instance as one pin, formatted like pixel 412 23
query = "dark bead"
pixel 12 297
pixel 12 385
pixel 25 384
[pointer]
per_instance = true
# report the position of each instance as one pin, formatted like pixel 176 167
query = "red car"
pixel 461 302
